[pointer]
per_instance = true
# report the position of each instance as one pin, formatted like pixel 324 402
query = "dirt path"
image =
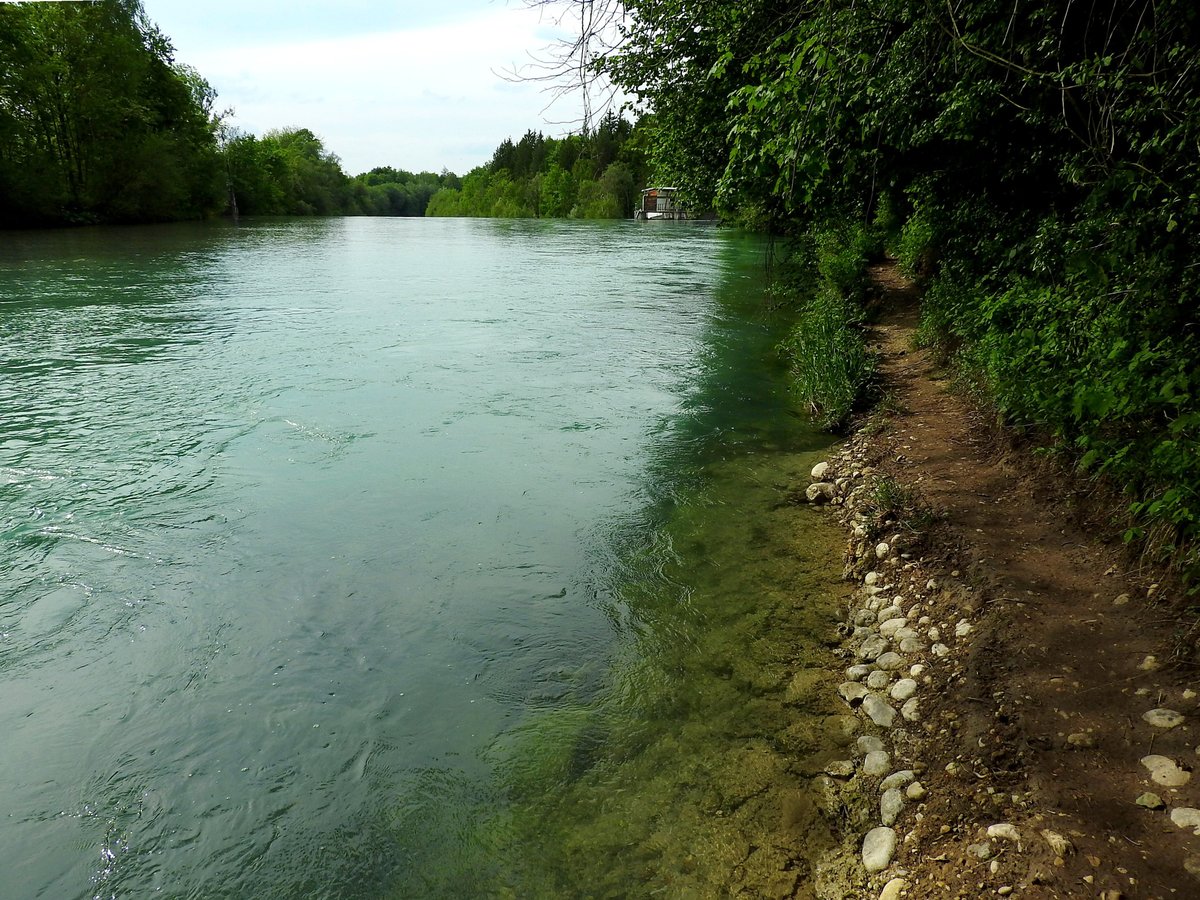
pixel 1040 713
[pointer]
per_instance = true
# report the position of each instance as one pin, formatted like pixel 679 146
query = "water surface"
pixel 336 553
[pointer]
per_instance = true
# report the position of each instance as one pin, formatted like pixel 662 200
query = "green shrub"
pixel 831 367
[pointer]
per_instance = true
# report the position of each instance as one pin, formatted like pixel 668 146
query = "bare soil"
pixel 1063 631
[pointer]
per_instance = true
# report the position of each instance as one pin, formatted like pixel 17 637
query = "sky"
pixel 413 84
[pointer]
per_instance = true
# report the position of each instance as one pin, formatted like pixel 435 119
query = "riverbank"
pixel 1022 733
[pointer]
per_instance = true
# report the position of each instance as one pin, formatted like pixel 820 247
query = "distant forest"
pixel 100 123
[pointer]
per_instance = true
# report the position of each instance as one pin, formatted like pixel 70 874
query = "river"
pixel 389 557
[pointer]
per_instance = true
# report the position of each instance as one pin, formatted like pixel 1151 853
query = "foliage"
pixel 594 175
pixel 97 121
pixel 1035 163
pixel 832 369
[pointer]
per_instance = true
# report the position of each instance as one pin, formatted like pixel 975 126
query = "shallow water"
pixel 360 557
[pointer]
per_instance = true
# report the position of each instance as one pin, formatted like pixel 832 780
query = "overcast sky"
pixel 407 83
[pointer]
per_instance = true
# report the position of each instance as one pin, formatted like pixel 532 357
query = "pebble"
pixel 1149 664
pixel 897 779
pixel 1150 801
pixel 1004 831
pixel 879 710
pixel 940 650
pixel 1121 600
pixel 869 743
pixel 1186 817
pixel 882 550
pixel 819 470
pixel 877 763
pixel 1166 771
pixel 878 847
pixel 889 612
pixel 912 646
pixel 872 578
pixel 911 710
pixel 858 673
pixel 891 804
pixel 878 680
pixel 980 851
pixel 872 647
pixel 915 791
pixel 893 889
pixel 889 627
pixel 903 689
pixel 852 692
pixel 891 661
pixel 821 492
pixel 1164 718
pixel 916 671
pixel 962 629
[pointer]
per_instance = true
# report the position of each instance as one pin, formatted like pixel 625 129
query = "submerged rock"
pixel 821 492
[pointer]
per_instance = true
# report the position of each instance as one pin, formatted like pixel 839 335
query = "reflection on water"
pixel 440 558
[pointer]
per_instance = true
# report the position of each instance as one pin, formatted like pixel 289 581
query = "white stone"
pixel 821 492
pixel 869 743
pixel 819 470
pixel 858 672
pixel 935 633
pixel 871 648
pixel 893 889
pixel 903 689
pixel 878 680
pixel 939 650
pixel 877 763
pixel 879 710
pixel 852 692
pixel 1164 718
pixel 878 847
pixel 891 804
pixel 1165 771
pixel 897 779
pixel 1186 817
pixel 917 671
pixel 912 645
pixel 962 629
pixel 889 628
pixel 872 578
pixel 911 710
pixel 1004 831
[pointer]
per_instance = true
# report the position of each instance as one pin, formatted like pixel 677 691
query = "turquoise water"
pixel 307 524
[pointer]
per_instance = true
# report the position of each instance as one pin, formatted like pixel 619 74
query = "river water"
pixel 386 557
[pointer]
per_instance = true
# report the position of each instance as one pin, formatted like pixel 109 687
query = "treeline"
pixel 593 175
pixel 99 123
pixel 289 172
pixel 97 120
pixel 1035 164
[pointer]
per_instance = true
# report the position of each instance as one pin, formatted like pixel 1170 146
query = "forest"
pixel 1034 165
pixel 100 123
pixel 596 174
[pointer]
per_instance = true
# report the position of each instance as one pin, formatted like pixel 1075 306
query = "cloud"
pixel 419 98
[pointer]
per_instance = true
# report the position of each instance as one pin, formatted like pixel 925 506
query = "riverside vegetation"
pixel 1034 166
